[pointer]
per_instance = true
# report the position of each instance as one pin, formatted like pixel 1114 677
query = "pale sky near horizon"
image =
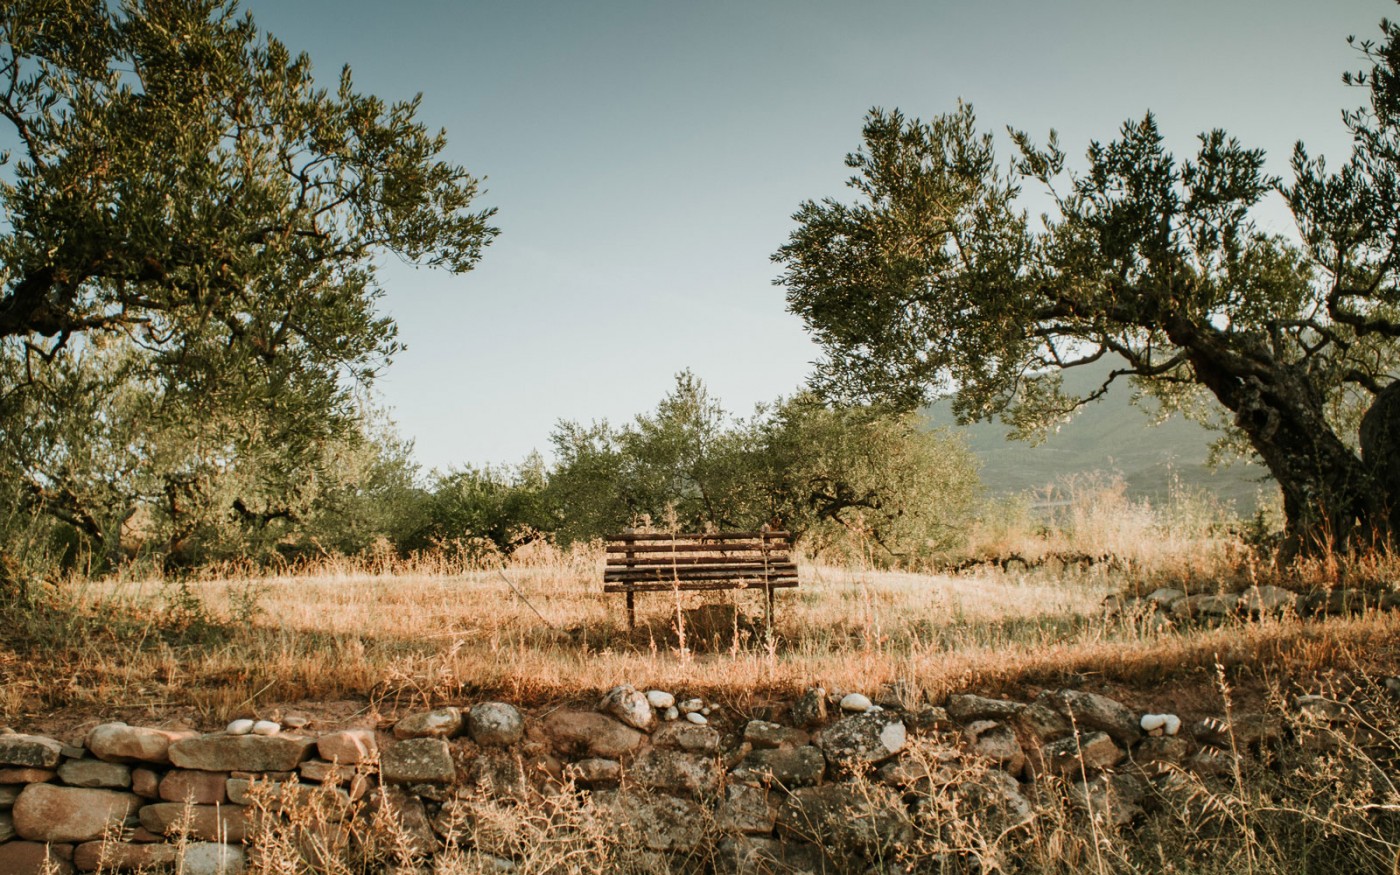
pixel 646 158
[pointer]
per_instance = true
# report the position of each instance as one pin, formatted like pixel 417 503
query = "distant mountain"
pixel 1110 436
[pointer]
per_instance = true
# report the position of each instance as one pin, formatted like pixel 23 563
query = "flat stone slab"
pixel 210 823
pixel 30 751
pixel 49 813
pixel 95 773
pixel 348 746
pixel 35 858
pixel 119 743
pixel 247 753
pixel 418 761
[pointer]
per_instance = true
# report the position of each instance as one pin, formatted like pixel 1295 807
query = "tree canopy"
pixel 188 259
pixel 936 280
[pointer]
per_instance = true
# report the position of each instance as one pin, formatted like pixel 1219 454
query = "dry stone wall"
pixel 831 773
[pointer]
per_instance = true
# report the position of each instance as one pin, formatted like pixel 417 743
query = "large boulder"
pixel 495 723
pixel 863 739
pixel 786 767
pixel 48 813
pixel 630 706
pixel 675 772
pixel 1090 711
pixel 119 743
pixel 241 753
pixel 588 732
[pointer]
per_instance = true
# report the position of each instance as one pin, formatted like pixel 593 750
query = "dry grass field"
pixel 373 639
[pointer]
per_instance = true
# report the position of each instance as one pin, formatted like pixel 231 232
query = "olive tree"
pixel 934 280
pixel 181 189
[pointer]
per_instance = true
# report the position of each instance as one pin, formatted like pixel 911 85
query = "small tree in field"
pixel 935 280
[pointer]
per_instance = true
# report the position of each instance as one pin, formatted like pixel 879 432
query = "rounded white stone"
pixel 1149 722
pixel 706 710
pixel 660 699
pixel 855 702
pixel 1172 725
pixel 266 727
pixel 697 718
pixel 874 709
pixel 240 727
pixel 671 713
pixel 691 705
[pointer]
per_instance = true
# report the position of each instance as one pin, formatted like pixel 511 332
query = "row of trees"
pixel 845 480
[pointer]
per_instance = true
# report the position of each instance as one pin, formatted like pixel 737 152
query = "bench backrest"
pixel 726 560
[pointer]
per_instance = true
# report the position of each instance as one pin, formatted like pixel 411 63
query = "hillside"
pixel 1111 436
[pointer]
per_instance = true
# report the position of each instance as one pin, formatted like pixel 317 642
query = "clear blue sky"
pixel 646 158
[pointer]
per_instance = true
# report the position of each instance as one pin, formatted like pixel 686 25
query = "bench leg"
pixel 769 590
pixel 631 612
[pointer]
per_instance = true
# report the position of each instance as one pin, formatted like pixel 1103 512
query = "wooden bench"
pixel 727 560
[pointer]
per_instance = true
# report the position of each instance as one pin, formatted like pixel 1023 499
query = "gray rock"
pixel 810 709
pixel 697 717
pixel 1205 606
pixel 688 737
pixel 437 723
pixel 1042 723
pixel 969 708
pixel 417 761
pixel 629 706
pixel 409 818
pixel 863 740
pixel 870 818
pixel 1112 799
pixel 856 702
pixel 660 823
pixel 7 826
pixel 762 734
pixel 746 809
pixel 995 742
pixel 1091 752
pixel 495 723
pixel 1164 598
pixel 1090 711
pixel 1160 749
pixel 660 699
pixel 213 858
pixel 1268 600
pixel 595 770
pixel 246 753
pixel 30 751
pixel 675 772
pixel 49 813
pixel 96 774
pixel 588 732
pixel 782 767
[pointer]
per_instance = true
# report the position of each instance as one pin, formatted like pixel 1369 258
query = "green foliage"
pixel 856 482
pixel 934 281
pixel 188 281
pixel 502 505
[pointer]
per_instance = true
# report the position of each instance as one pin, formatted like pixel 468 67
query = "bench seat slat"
pixel 696 586
pixel 716 536
pixel 727 547
pixel 748 572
